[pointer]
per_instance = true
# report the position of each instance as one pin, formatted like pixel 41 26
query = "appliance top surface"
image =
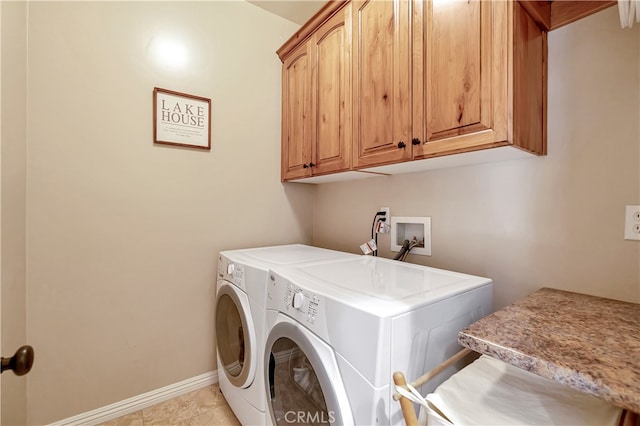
pixel 379 279
pixel 283 255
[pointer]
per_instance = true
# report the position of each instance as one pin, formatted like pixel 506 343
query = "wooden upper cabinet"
pixel 457 75
pixel 443 77
pixel 369 85
pixel 382 77
pixel 467 57
pixel 296 113
pixel 452 69
pixel 316 101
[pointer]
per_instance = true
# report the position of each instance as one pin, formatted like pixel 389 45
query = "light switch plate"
pixel 632 223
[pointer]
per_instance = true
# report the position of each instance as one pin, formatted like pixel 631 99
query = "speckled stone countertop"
pixel 589 343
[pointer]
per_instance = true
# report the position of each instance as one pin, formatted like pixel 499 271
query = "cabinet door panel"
pixel 454 65
pixel 382 106
pixel 459 75
pixel 329 82
pixel 296 115
pixel 332 96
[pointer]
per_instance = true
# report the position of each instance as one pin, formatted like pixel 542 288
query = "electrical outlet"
pixel 632 223
pixel 385 226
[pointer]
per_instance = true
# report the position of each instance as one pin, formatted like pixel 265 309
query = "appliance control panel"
pixel 231 271
pixel 301 304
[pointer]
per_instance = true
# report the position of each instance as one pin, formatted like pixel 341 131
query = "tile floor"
pixel 204 407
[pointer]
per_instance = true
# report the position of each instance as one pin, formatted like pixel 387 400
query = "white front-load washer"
pixel 338 330
pixel 240 320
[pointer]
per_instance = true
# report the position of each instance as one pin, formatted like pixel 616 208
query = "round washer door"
pixel 303 383
pixel 235 336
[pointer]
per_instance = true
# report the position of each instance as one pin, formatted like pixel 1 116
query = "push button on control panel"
pixel 313 309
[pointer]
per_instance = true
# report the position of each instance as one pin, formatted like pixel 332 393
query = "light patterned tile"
pixel 133 419
pixel 184 407
pixel 218 416
pixel 209 397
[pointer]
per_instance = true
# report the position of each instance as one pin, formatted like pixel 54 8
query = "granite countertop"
pixel 589 343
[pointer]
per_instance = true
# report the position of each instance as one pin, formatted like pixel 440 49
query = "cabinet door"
pixel 296 114
pixel 382 76
pixel 331 94
pixel 460 77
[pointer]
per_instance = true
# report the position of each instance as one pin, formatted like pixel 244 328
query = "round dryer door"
pixel 303 383
pixel 235 336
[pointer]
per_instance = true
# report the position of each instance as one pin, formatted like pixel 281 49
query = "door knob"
pixel 21 362
pixel 401 144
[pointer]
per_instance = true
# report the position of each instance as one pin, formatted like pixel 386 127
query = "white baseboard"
pixel 137 403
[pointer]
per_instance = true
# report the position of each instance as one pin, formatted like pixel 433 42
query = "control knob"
pixel 298 300
pixel 231 267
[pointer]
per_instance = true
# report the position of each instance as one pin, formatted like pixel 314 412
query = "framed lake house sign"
pixel 180 119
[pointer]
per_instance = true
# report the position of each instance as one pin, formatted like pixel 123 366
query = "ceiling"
pixel 298 11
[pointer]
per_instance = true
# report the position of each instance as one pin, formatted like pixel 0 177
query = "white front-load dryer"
pixel 240 320
pixel 356 321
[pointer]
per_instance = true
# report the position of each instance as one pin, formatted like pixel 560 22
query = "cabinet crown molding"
pixel 326 12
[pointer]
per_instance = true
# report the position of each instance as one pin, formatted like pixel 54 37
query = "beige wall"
pixel 13 204
pixel 122 235
pixel 553 221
